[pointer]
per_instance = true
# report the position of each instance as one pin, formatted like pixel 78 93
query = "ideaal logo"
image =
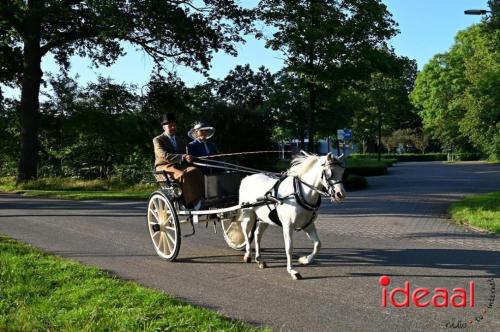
pixel 440 297
pixel 422 297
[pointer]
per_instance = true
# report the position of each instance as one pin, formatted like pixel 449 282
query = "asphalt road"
pixel 398 227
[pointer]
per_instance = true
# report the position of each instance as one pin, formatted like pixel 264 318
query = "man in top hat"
pixel 201 146
pixel 171 156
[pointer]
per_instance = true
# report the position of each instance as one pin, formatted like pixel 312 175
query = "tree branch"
pixel 69 37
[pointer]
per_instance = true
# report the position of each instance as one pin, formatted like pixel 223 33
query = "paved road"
pixel 398 228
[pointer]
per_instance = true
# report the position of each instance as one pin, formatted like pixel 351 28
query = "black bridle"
pixel 330 180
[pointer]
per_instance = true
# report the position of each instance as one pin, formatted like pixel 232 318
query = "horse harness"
pixel 298 194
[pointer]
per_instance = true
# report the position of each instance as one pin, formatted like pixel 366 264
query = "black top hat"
pixel 167 118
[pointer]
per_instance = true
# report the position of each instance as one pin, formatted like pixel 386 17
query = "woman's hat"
pixel 201 126
pixel 168 118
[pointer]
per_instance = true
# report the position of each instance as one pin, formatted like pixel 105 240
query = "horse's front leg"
pixel 259 230
pixel 313 235
pixel 288 236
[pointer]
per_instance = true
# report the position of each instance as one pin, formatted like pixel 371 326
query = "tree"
pixel 420 140
pixel 435 95
pixel 481 97
pixel 380 103
pixel 457 92
pixel 179 31
pixel 240 114
pixel 327 43
pixel 286 107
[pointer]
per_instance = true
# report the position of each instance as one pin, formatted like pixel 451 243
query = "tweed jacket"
pixel 165 152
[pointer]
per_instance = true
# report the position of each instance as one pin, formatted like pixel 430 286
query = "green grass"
pixel 482 211
pixel 79 189
pixel 41 292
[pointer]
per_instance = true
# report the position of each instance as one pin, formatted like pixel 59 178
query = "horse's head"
pixel 331 179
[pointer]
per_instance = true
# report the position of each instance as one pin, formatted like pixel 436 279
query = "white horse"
pixel 297 198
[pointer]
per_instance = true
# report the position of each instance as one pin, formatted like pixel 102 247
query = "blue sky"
pixel 426 27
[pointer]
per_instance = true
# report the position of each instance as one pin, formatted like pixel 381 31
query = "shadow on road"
pixel 443 259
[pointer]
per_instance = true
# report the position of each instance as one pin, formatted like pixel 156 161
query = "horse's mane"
pixel 302 164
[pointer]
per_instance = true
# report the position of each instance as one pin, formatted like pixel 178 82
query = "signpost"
pixel 344 135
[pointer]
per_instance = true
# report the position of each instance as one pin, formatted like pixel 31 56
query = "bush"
pixel 355 182
pixel 367 167
pixel 437 156
pixel 366 170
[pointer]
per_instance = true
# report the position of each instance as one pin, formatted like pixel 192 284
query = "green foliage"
pixel 185 32
pixel 369 169
pixel 481 210
pixel 457 93
pixel 68 188
pixel 407 138
pixel 327 45
pixel 43 292
pixel 355 182
pixel 9 138
pixel 105 129
pixel 420 157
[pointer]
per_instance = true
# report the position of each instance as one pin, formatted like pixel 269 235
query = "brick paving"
pixel 411 204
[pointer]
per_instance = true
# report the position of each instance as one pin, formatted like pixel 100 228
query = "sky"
pixel 427 27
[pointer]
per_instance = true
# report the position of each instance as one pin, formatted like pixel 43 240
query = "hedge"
pixel 419 156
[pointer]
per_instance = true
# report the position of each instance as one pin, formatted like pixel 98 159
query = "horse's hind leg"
pixel 313 235
pixel 259 230
pixel 288 236
pixel 247 217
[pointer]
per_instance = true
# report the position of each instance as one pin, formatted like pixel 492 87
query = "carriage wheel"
pixel 233 233
pixel 163 226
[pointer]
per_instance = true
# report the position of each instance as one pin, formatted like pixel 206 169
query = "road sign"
pixel 344 134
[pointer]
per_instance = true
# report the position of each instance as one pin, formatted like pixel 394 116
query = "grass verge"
pixel 41 292
pixel 482 211
pixel 78 189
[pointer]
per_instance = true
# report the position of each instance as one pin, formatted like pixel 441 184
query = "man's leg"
pixel 192 185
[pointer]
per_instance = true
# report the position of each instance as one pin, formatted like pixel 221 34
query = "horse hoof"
pixel 303 260
pixel 262 265
pixel 247 259
pixel 296 276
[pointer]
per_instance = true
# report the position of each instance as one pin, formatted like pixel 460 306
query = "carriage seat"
pixel 219 189
pixel 163 178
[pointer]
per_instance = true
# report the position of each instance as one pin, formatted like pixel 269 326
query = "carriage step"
pixel 156 227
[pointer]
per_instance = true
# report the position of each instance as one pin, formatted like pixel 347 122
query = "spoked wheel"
pixel 233 233
pixel 163 226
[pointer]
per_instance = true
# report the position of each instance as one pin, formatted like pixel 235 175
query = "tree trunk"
pixel 30 89
pixel 310 117
pixel 302 135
